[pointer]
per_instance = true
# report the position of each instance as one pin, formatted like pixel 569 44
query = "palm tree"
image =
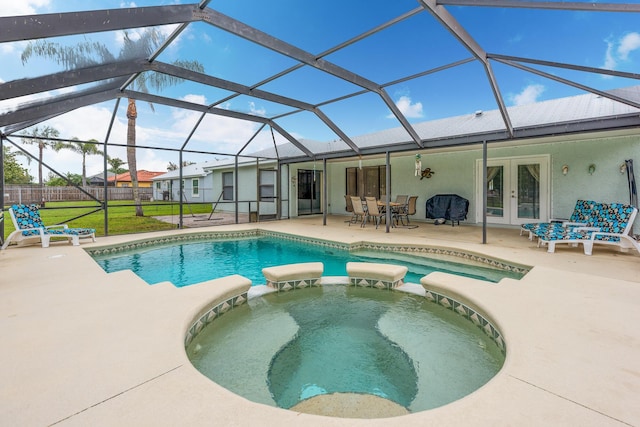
pixel 115 164
pixel 92 53
pixel 85 149
pixel 41 138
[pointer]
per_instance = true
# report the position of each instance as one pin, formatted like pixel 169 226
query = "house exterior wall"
pixel 141 184
pixel 247 191
pixel 456 172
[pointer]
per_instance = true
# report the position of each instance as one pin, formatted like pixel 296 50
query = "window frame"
pixel 227 189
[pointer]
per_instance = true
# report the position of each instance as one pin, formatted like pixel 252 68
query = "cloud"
pixel 257 111
pixel 528 95
pixel 609 61
pixel 409 110
pixel 23 7
pixel 620 50
pixel 628 44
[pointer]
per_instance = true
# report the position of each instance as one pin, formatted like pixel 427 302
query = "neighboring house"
pixel 98 179
pixel 124 179
pixel 197 184
pixel 215 182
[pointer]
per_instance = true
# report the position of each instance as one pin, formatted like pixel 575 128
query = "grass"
pixel 121 216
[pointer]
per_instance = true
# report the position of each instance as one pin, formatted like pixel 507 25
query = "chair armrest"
pixel 562 220
pixel 593 229
pixel 65 226
pixel 574 224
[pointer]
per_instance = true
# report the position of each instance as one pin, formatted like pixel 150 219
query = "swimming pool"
pixel 187 263
pixel 286 348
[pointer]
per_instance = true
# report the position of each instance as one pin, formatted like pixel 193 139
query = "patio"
pixel 86 348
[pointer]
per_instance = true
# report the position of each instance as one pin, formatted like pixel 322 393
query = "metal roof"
pixel 37 98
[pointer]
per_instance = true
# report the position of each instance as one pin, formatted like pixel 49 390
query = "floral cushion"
pixel 582 213
pixel 28 218
pixel 605 218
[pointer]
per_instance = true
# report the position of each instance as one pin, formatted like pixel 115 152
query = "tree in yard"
pixel 14 173
pixel 68 180
pixel 115 164
pixel 41 138
pixel 92 53
pixel 85 149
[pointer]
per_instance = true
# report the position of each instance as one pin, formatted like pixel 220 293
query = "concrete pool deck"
pixel 82 347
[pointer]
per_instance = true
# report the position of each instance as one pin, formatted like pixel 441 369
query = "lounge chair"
pixel 29 228
pixel 358 211
pixel 579 218
pixel 609 224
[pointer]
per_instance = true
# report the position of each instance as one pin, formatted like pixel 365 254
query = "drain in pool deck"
pixel 350 405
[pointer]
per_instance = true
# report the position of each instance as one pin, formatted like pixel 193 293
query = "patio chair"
pixel 609 224
pixel 407 210
pixel 402 199
pixel 372 211
pixel 358 211
pixel 29 228
pixel 349 207
pixel 579 218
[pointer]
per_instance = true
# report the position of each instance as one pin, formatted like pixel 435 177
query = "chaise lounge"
pixel 579 218
pixel 608 224
pixel 29 228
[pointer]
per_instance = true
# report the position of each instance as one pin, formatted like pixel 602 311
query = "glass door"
pixel 309 194
pixel 517 190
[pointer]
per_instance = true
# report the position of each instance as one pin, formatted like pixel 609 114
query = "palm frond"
pixel 83 54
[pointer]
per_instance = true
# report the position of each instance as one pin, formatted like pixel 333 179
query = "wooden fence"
pixel 36 194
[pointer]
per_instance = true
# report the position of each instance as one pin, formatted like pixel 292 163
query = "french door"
pixel 309 194
pixel 517 190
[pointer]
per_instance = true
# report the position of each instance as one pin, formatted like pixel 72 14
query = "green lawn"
pixel 122 218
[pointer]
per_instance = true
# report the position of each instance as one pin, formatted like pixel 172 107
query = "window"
pixel 195 189
pixel 267 185
pixel 227 185
pixel 157 185
pixel 370 181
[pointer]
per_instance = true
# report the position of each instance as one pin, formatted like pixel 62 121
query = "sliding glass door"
pixel 309 192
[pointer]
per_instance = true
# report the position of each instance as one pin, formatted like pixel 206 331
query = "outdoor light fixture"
pixel 623 168
pixel 565 169
pixel 592 168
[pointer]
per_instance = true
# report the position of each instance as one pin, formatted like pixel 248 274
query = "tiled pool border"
pixel 384 247
pixel 212 314
pixel 468 313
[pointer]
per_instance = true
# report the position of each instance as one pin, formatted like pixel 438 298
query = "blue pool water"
pixel 286 347
pixel 189 263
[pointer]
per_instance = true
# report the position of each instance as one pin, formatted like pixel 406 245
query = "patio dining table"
pixel 395 206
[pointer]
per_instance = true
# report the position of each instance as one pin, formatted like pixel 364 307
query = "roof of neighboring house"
pixel 189 171
pixel 100 176
pixel 205 168
pixel 143 176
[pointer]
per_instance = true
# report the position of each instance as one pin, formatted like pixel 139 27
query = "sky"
pixel 416 44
